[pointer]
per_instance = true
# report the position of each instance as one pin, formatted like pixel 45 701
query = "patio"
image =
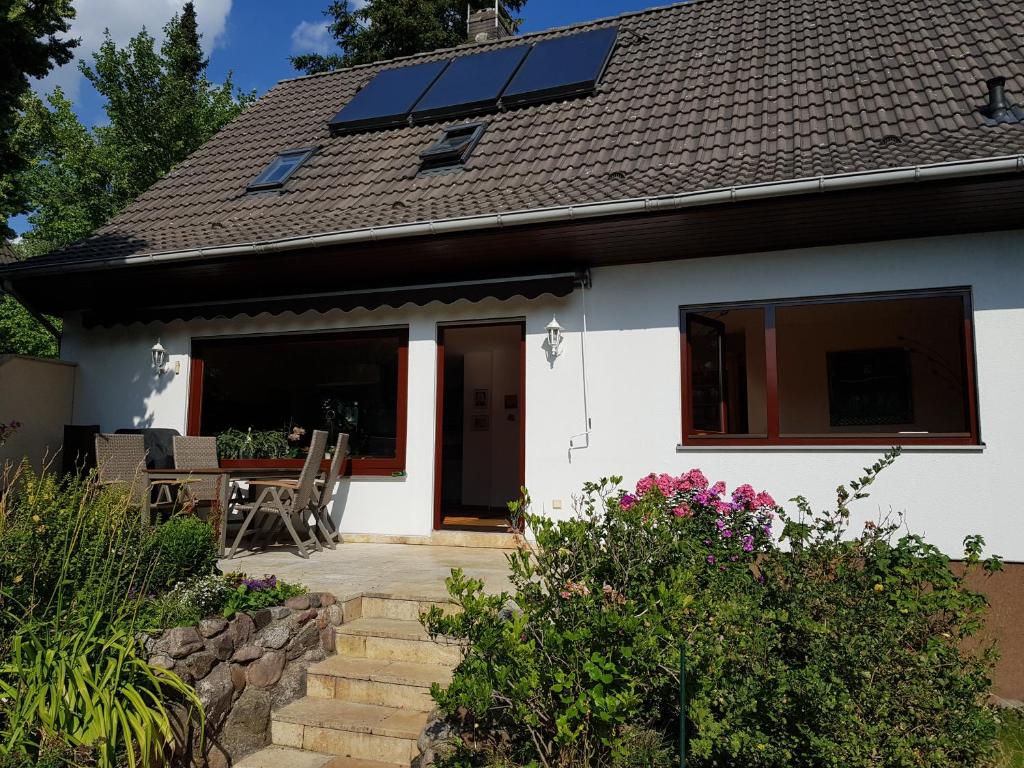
pixel 400 570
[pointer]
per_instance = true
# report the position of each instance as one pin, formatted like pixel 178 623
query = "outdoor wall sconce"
pixel 554 340
pixel 159 357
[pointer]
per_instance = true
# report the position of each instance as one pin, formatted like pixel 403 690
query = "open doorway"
pixel 480 463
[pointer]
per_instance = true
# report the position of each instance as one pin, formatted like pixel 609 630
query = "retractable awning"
pixel 528 287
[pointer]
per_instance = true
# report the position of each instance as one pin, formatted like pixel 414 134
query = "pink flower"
pixel 711 559
pixel 693 480
pixel 744 494
pixel 627 501
pixel 564 594
pixel 645 484
pixel 748 543
pixel 666 484
pixel 718 488
pixel 682 511
pixel 722 508
pixel 763 499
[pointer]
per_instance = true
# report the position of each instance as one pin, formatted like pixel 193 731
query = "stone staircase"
pixel 366 706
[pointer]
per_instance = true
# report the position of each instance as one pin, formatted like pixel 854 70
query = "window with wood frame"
pixel 873 369
pixel 354 382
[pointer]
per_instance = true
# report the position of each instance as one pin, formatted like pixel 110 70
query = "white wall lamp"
pixel 554 340
pixel 159 355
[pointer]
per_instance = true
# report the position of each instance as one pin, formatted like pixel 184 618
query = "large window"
pixel 354 382
pixel 895 369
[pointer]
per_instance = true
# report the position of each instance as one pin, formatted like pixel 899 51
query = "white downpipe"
pixel 861 179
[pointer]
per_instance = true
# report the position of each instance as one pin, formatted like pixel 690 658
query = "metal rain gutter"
pixel 826 183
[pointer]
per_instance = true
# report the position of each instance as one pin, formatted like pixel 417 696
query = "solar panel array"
pixel 562 67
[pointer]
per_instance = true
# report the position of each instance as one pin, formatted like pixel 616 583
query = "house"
pixel 766 239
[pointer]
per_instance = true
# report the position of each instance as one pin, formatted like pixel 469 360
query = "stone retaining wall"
pixel 242 669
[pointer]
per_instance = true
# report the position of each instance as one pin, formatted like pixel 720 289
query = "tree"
pixel 386 29
pixel 160 107
pixel 30 46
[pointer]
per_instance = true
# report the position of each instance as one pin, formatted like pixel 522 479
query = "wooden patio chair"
pixel 289 501
pixel 325 489
pixel 121 459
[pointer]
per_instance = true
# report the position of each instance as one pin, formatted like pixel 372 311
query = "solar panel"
pixel 471 83
pixel 561 67
pixel 387 99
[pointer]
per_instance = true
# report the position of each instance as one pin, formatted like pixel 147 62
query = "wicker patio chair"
pixel 121 459
pixel 290 501
pixel 325 489
pixel 199 453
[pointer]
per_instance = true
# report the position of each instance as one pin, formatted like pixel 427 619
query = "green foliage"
pixel 385 29
pixel 181 548
pixel 70 547
pixel 32 46
pixel 160 107
pixel 838 649
pixel 1011 738
pixel 191 600
pixel 268 444
pixel 252 594
pixel 202 596
pixel 21 334
pixel 74 684
pixel 88 687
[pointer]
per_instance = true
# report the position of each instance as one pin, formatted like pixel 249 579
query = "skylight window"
pixel 280 168
pixel 453 148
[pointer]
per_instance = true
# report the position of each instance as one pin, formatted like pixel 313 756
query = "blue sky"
pixel 254 38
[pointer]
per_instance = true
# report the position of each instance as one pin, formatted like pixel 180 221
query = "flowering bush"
pixel 731 526
pixel 841 650
pixel 250 594
pixel 190 600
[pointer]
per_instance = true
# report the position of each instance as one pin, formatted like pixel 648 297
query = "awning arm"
pixel 39 317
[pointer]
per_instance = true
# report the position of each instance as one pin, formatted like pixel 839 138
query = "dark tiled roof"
pixel 709 94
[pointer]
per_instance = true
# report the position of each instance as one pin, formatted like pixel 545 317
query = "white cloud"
pixel 311 37
pixel 124 19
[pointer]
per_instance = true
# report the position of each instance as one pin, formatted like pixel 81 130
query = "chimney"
pixel 997 105
pixel 487 24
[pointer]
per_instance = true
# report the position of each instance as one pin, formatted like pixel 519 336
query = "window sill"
pixel 683 448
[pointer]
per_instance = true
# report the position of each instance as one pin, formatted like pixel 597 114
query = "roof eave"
pixel 630 206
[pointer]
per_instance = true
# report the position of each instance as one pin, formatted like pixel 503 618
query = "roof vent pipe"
pixel 997 104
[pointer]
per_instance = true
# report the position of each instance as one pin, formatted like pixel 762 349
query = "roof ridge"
pixel 485 43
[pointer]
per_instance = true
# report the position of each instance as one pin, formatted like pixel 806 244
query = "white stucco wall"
pixel 634 383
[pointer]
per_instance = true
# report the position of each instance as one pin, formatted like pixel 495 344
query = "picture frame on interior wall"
pixel 480 422
pixel 480 398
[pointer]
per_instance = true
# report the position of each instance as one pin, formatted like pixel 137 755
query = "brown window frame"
pixel 358 467
pixel 691 438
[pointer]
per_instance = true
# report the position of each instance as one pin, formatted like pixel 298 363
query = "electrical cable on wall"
pixel 573 445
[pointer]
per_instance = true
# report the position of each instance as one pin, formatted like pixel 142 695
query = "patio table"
pixel 226 478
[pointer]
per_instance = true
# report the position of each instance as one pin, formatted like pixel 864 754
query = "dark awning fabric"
pixel 530 287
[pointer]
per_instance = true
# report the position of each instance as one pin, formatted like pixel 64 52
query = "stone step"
pixel 407 608
pixel 286 757
pixel 373 681
pixel 335 727
pixel 394 640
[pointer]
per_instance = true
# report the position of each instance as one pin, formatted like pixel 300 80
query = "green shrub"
pixel 70 546
pixel 250 594
pixel 87 689
pixel 839 650
pixel 190 600
pixel 74 685
pixel 181 548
